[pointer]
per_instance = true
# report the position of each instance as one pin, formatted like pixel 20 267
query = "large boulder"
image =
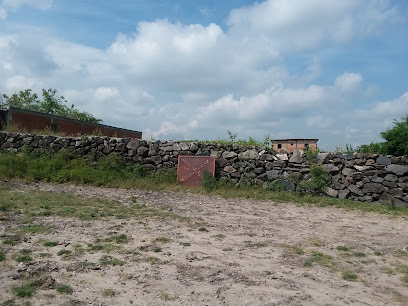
pixel 383 160
pixel 373 188
pixel 399 170
pixel 387 199
pixel 296 157
pixel 249 154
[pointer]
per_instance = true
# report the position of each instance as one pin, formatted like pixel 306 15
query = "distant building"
pixel 291 145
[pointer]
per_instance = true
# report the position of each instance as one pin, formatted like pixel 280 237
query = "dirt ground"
pixel 232 252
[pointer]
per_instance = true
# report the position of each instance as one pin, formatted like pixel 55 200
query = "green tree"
pixel 396 140
pixel 50 104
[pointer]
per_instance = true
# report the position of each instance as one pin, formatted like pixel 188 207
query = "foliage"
pixel 276 185
pixel 346 149
pixel 320 179
pixel 311 155
pixel 209 182
pixel 50 104
pixel 396 140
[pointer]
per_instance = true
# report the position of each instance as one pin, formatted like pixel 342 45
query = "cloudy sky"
pixel 173 69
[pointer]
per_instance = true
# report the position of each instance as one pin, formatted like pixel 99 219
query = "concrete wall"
pixel 34 121
pixel 361 177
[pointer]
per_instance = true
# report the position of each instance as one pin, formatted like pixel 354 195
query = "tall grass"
pixel 65 166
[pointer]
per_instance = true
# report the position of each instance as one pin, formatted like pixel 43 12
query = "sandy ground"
pixel 247 256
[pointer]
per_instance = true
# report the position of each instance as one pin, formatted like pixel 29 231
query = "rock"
pixel 370 162
pixel 383 160
pixel 396 192
pixel 267 157
pixel 229 169
pixel 362 168
pixel 150 167
pixel 184 146
pixel 229 155
pixel 259 170
pixel 249 154
pixel 355 190
pixel 391 178
pixel 373 188
pixel 289 186
pixel 142 151
pixel 274 174
pixel 279 163
pixel 399 170
pixel 377 179
pixel 296 157
pixel 282 156
pixel 344 194
pixel 387 199
pixel 346 156
pixel 348 172
pixel 331 192
pixel 193 147
pixel 366 198
pixel 332 168
pixel 222 162
pixel 133 144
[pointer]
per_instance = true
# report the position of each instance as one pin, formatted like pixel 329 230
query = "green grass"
pixel 10 302
pixel 202 229
pixel 107 293
pixel 32 203
pixel 110 261
pixel 2 256
pixel 64 252
pixel 359 254
pixel 12 241
pixel 119 239
pixel 378 253
pixel 24 258
pixel 50 243
pixel 64 289
pixel 163 239
pixel 114 172
pixel 157 250
pixel 185 244
pixel 350 276
pixel 321 259
pixel 105 247
pixel 343 248
pixel 25 290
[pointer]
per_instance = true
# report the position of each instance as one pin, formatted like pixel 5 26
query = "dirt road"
pixel 232 252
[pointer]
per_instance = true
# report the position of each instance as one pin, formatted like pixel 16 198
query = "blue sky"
pixel 327 69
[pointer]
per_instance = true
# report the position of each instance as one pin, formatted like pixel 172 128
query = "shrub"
pixel 209 182
pixel 320 179
pixel 276 185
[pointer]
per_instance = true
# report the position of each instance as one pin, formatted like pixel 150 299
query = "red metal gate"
pixel 190 168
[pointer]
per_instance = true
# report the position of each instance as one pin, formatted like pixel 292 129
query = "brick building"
pixel 29 121
pixel 293 144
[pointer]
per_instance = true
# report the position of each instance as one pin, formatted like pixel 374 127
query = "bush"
pixel 209 182
pixel 276 185
pixel 320 179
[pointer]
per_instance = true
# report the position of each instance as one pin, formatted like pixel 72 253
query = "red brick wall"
pixel 30 121
pixel 292 146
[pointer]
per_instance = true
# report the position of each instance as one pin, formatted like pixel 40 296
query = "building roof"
pixel 296 139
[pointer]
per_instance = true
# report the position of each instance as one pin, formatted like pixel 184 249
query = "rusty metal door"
pixel 190 168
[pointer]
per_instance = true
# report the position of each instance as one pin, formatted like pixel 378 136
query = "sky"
pixel 181 69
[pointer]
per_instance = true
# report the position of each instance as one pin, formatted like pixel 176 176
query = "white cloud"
pixel 170 79
pixel 349 82
pixel 14 5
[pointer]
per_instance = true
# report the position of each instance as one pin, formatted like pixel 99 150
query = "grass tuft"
pixel 64 289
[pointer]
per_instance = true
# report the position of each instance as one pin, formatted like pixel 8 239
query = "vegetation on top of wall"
pixel 233 140
pixel 50 104
pixel 396 140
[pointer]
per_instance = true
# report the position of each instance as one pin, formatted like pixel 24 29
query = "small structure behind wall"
pixel 293 144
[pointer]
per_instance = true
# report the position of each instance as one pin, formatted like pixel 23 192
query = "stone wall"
pixel 360 177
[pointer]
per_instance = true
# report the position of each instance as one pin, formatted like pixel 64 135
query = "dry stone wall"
pixel 361 177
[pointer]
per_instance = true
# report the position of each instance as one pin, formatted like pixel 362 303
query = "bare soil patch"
pixel 231 252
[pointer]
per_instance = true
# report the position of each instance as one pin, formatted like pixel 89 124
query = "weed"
pixel 402 253
pixel 64 289
pixel 123 238
pixel 157 250
pixel 209 181
pixel 349 276
pixel 388 270
pixel 276 185
pixel 320 179
pixel 185 244
pixel 50 243
pixel 64 252
pixel 203 229
pixel 43 255
pixel 107 293
pixel 110 261
pixel 378 253
pixel 25 290
pixel 163 239
pixel 405 278
pixel 320 258
pixel 107 247
pixel 261 244
pixel 166 296
pixel 152 260
pixel 315 241
pixel 34 229
pixel 343 248
pixel 12 241
pixel 2 256
pixel 359 254
pixel 219 236
pixel 24 258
